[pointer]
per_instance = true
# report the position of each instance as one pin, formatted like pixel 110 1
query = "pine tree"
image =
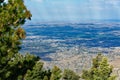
pixel 100 70
pixel 19 66
pixel 13 66
pixel 56 73
pixel 36 73
pixel 70 75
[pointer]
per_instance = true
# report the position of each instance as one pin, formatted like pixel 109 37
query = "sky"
pixel 73 10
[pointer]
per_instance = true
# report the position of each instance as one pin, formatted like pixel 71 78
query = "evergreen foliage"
pixel 100 70
pixel 56 73
pixel 70 75
pixel 15 66
pixel 36 73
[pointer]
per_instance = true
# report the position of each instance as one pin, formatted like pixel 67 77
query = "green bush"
pixel 100 70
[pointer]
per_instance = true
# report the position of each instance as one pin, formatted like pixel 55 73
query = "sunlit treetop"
pixel 13 13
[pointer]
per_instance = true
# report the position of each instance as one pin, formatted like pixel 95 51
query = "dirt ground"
pixel 116 62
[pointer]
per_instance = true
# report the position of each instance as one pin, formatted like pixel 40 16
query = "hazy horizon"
pixel 73 10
